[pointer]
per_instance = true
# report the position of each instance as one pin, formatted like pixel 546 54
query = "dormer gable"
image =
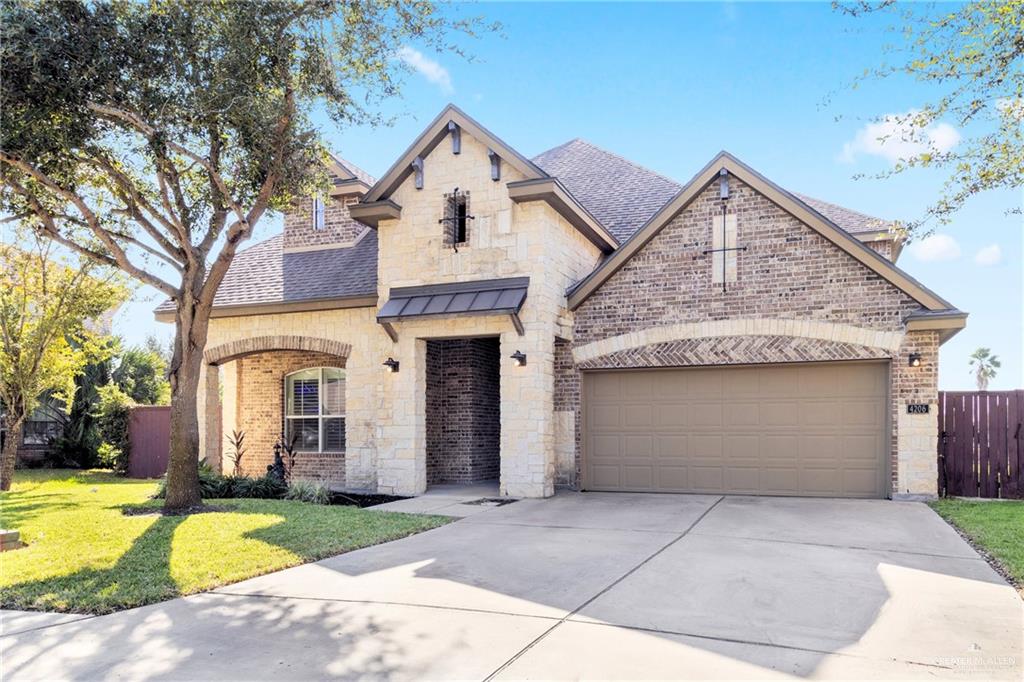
pixel 323 222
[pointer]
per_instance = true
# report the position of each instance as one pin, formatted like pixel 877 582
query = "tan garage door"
pixel 811 429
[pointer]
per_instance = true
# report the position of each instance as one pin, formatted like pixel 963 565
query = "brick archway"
pixel 232 350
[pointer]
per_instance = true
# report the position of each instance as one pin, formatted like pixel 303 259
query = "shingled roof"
pixel 590 172
pixel 616 191
pixel 264 274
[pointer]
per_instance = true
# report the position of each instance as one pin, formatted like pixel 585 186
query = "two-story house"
pixel 575 319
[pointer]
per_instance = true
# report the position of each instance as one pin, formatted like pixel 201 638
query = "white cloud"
pixel 426 67
pixel 896 137
pixel 936 247
pixel 989 255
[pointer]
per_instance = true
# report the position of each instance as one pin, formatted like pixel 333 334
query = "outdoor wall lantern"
pixel 518 358
pixel 915 359
pixel 392 365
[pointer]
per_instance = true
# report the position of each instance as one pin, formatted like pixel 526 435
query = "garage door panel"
pixel 671 416
pixel 637 445
pixel 819 412
pixel 812 429
pixel 639 477
pixel 706 478
pixel 637 415
pixel 741 414
pixel 705 414
pixel 671 446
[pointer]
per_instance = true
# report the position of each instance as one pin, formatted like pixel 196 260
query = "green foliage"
pixel 997 526
pixel 215 486
pixel 972 56
pixel 237 442
pixel 79 442
pixel 153 136
pixel 308 491
pixel 113 415
pixel 46 304
pixel 985 366
pixel 141 374
pixel 85 555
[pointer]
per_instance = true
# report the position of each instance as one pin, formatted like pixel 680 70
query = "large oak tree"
pixel 153 136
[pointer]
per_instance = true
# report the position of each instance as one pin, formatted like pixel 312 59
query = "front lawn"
pixel 996 527
pixel 84 555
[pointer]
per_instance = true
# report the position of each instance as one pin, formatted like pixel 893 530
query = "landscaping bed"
pixel 994 527
pixel 84 554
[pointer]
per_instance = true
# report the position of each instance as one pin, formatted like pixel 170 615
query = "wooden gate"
pixel 981 443
pixel 149 431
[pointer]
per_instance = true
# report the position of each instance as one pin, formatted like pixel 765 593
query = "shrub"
pixel 214 486
pixel 308 491
pixel 112 417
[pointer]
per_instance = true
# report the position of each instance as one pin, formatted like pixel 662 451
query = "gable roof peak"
pixel 432 135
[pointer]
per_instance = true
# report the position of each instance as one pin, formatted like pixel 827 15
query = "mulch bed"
pixel 362 501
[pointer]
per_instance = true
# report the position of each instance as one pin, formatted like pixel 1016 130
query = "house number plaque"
pixel 917 408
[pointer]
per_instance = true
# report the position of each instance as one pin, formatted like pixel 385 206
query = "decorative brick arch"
pixel 232 350
pixel 822 333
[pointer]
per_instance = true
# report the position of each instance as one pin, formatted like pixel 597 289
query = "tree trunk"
pixel 192 322
pixel 183 458
pixel 10 452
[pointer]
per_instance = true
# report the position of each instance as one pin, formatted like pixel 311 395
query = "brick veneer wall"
pixel 259 412
pixel 339 227
pixel 787 272
pixel 463 420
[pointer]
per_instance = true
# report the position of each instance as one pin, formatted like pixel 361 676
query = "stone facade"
pixel 463 419
pixel 796 298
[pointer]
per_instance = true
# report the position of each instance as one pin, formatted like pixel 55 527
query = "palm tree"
pixel 984 366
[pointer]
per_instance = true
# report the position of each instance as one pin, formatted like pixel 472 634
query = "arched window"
pixel 314 409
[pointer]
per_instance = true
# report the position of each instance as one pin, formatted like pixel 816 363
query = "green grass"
pixel 84 555
pixel 997 527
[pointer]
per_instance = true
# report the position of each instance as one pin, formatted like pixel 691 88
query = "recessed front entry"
pixel 463 420
pixel 815 429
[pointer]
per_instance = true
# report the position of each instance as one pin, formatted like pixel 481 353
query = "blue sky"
pixel 669 85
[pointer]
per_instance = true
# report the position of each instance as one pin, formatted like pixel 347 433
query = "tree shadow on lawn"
pixel 144 573
pixel 23 506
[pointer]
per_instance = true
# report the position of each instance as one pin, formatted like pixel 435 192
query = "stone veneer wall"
pixel 463 420
pixel 789 274
pixel 259 412
pixel 339 227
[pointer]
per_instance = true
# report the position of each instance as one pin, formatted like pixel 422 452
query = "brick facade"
pixel 339 227
pixel 259 412
pixel 463 419
pixel 789 279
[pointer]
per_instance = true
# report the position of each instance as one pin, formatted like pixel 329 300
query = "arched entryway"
pixel 266 386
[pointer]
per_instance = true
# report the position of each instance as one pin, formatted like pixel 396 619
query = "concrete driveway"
pixel 584 586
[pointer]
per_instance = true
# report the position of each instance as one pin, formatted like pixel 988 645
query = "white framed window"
pixel 318 213
pixel 314 409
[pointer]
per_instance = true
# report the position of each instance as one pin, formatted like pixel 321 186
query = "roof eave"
pixel 948 323
pixel 555 194
pixel 336 303
pixel 371 213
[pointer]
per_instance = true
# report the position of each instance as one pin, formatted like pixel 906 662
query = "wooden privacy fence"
pixel 981 443
pixel 149 431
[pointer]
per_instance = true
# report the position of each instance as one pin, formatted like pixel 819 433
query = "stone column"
pixel 527 415
pixel 212 421
pixel 916 435
pixel 402 453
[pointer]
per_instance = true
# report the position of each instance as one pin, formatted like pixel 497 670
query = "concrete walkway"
pixel 584 586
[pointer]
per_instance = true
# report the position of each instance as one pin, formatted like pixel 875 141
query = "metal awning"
pixel 479 297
